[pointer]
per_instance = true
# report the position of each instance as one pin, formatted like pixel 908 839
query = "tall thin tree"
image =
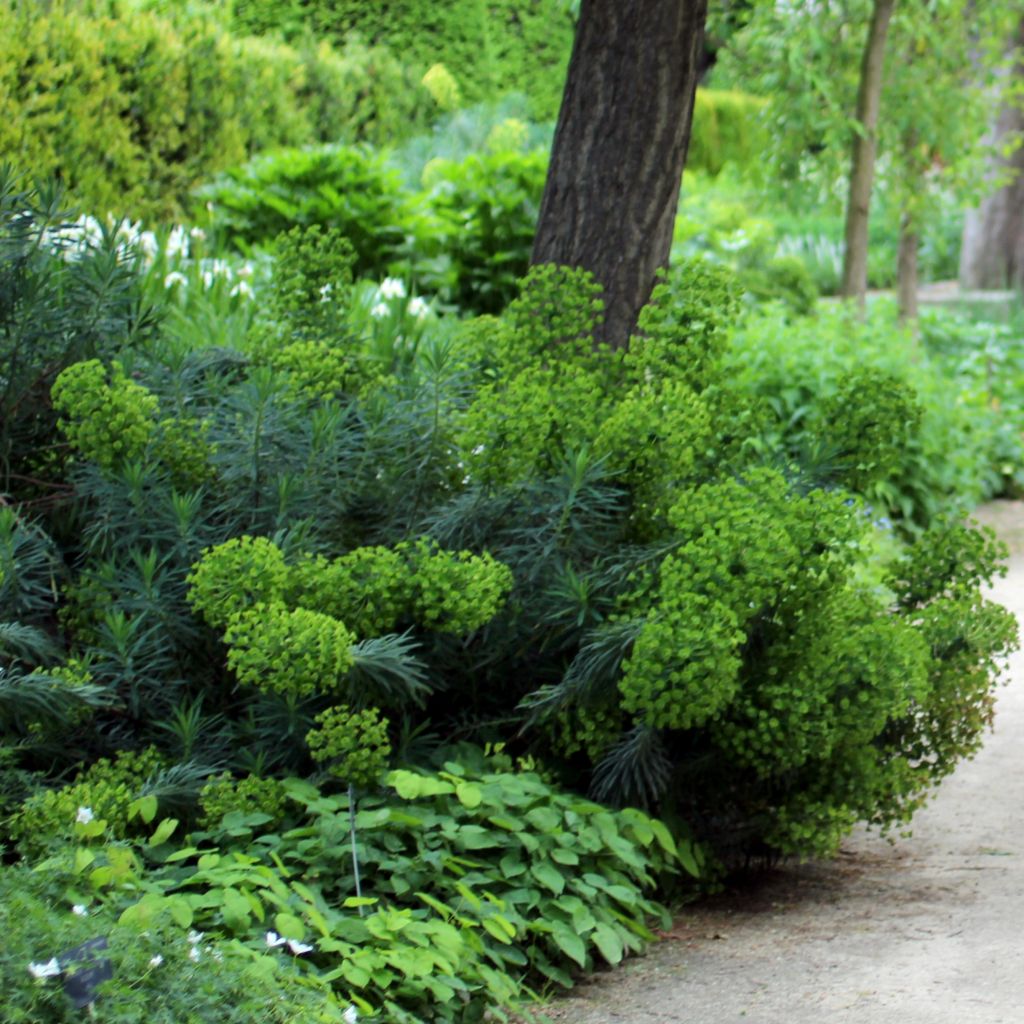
pixel 862 169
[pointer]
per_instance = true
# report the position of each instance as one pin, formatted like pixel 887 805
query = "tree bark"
pixel 612 189
pixel 992 252
pixel 906 270
pixel 862 170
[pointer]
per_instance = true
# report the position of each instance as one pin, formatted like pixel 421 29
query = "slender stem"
pixel 352 834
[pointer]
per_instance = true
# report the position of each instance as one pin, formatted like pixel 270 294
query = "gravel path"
pixel 926 930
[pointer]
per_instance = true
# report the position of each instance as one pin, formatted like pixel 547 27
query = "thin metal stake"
pixel 352 834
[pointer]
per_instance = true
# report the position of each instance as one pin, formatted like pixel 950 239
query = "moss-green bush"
pixel 489 46
pixel 726 129
pixel 132 110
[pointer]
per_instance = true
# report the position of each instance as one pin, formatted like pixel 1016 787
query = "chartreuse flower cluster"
pixel 370 589
pixel 250 795
pixel 106 421
pixel 290 628
pixel 288 651
pixel 106 789
pixel 746 550
pixel 111 420
pixel 353 744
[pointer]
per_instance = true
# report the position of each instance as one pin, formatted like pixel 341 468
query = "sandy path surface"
pixel 926 930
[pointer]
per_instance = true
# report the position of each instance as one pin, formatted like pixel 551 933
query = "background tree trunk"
pixel 992 252
pixel 906 270
pixel 862 170
pixel 620 145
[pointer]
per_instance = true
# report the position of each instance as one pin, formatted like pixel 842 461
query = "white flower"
pixel 325 292
pixel 84 816
pixel 48 970
pixel 147 245
pixel 391 288
pixel 220 268
pixel 175 277
pixel 245 270
pixel 198 234
pixel 298 948
pixel 207 278
pixel 243 289
pixel 379 311
pixel 177 243
pixel 195 937
pixel 194 954
pixel 156 961
pixel 273 939
pixel 418 307
pixel 351 1014
pixel 79 909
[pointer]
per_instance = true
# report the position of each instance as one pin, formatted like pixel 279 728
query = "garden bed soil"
pixel 925 929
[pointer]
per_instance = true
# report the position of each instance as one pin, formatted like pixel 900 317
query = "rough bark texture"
pixel 620 145
pixel 906 271
pixel 862 171
pixel 992 253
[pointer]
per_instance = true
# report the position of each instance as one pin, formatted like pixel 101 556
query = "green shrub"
pixel 102 793
pixel 489 46
pixel 61 302
pixel 799 371
pixel 475 882
pixel 487 207
pixel 508 535
pixel 341 187
pixel 726 129
pixel 132 110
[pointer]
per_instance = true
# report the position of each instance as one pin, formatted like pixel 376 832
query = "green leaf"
pixel 469 795
pixel 548 876
pixel 688 860
pixel 608 942
pixel 511 865
pixel 500 928
pixel 181 912
pixel 410 785
pixel 354 974
pixel 508 823
pixel 570 943
pixel 289 926
pixel 565 856
pixel 145 807
pixel 358 901
pixel 163 832
pixel 83 858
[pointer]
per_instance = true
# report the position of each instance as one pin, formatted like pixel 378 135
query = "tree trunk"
pixel 862 170
pixel 906 270
pixel 992 252
pixel 620 145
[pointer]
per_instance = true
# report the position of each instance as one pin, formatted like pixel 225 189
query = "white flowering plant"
pixel 158 973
